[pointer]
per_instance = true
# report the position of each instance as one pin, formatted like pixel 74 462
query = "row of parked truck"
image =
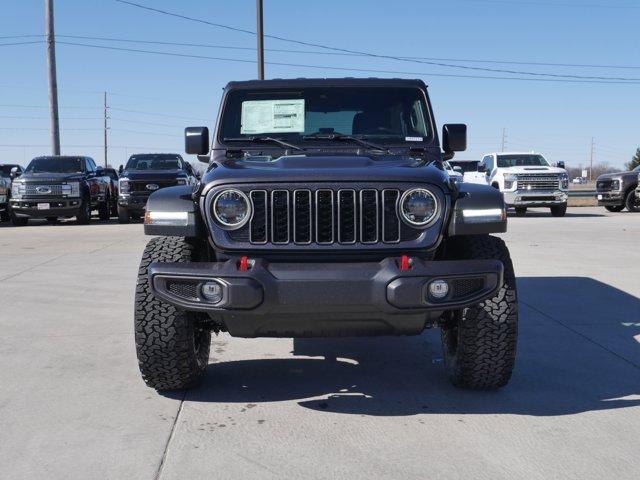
pixel 74 186
pixel 528 180
pixel 54 187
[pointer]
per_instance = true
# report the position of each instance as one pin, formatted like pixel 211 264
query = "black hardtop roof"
pixel 326 82
pixel 61 157
pixel 153 154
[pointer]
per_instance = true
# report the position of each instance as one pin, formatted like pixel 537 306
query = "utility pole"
pixel 53 82
pixel 106 127
pixel 504 138
pixel 592 154
pixel 260 36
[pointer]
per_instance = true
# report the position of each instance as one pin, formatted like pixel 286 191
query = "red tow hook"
pixel 405 263
pixel 244 264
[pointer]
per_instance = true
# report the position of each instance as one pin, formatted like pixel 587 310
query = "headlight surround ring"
pixel 239 195
pixel 412 222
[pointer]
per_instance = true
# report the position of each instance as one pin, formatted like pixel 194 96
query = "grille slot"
pixel 258 226
pixel 302 216
pixel 324 216
pixel 280 216
pixel 369 216
pixel 390 219
pixel 467 286
pixel 347 216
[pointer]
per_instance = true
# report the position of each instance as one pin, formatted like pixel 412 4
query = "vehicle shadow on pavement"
pixel 573 213
pixel 577 353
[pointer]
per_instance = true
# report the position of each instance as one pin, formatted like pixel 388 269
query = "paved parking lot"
pixel 73 406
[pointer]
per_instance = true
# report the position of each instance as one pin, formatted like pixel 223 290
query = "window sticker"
pixel 413 139
pixel 272 116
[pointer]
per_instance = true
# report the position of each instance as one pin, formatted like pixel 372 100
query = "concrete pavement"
pixel 72 404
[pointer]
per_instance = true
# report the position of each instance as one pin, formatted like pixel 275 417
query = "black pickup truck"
pixel 326 211
pixel 144 174
pixel 60 186
pixel 6 176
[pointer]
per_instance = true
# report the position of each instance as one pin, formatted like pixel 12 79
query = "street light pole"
pixel 106 127
pixel 53 82
pixel 260 36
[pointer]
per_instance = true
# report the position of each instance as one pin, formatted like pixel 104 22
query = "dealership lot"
pixel 72 404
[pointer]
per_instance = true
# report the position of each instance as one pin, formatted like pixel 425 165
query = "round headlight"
pixel 418 207
pixel 232 209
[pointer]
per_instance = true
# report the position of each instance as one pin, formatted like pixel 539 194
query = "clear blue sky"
pixel 557 119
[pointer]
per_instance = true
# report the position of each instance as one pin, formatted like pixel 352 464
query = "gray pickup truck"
pixel 617 191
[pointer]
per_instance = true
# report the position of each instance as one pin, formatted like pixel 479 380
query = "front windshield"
pixel 381 114
pixel 526 160
pixel 637 169
pixel 55 165
pixel 155 162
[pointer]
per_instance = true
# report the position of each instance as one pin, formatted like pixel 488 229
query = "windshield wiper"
pixel 277 141
pixel 341 137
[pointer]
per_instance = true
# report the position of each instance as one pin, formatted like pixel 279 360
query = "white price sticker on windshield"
pixel 272 116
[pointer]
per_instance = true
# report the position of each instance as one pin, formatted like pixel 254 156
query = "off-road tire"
pixel 614 208
pixel 103 210
pixel 123 215
pixel 19 221
pixel 631 202
pixel 173 351
pixel 479 342
pixel 521 211
pixel 83 217
pixel 559 210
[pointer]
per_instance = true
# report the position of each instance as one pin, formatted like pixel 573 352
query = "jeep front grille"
pixel 324 217
pixel 538 182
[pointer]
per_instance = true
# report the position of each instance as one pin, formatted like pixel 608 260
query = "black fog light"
pixel 438 289
pixel 212 292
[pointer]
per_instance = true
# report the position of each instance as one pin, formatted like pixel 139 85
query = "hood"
pixel 618 175
pixel 50 177
pixel 152 175
pixel 533 170
pixel 328 168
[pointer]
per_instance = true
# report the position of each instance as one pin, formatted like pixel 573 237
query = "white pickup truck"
pixel 527 180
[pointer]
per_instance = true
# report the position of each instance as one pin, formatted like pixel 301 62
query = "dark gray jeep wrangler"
pixel 326 211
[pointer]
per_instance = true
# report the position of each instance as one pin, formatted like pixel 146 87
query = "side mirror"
pixel 15 172
pixel 454 137
pixel 120 169
pixel 482 168
pixel 100 171
pixel 561 165
pixel 196 140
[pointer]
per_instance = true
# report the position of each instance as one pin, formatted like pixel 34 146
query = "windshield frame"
pixel 427 141
pixel 80 160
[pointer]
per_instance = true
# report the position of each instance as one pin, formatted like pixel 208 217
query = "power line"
pixel 373 55
pixel 155 114
pixel 20 43
pixel 312 52
pixel 353 69
pixel 555 4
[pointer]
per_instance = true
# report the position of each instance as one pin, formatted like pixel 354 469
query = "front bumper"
pixel 326 299
pixel 610 198
pixel 55 207
pixel 535 198
pixel 134 203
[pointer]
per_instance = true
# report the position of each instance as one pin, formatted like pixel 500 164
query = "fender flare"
pixel 172 212
pixel 478 209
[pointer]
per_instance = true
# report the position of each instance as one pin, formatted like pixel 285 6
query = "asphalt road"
pixel 73 406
